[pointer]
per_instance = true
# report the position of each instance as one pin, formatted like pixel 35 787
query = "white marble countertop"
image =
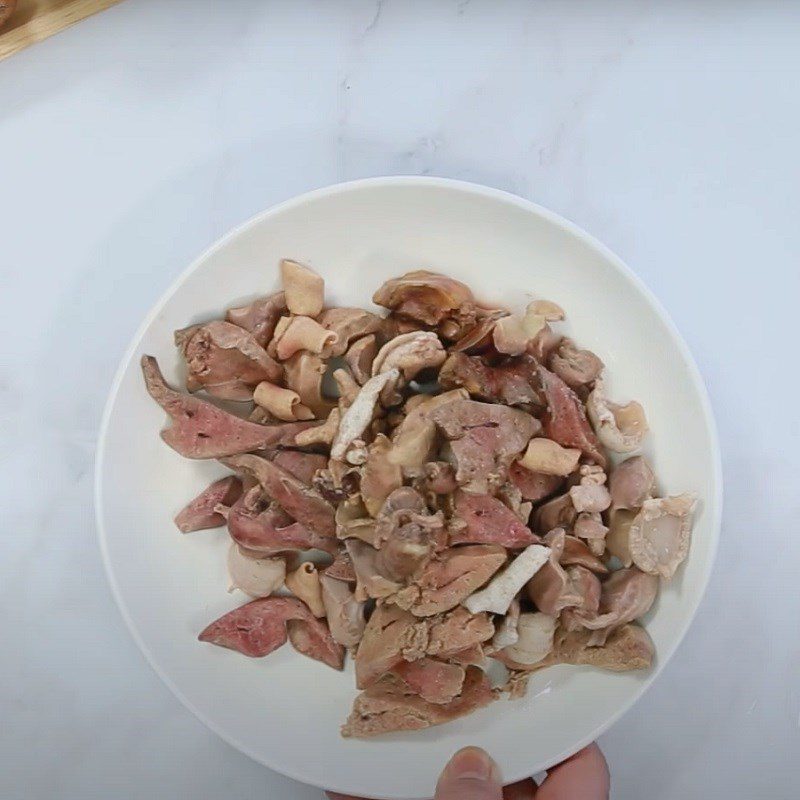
pixel 133 140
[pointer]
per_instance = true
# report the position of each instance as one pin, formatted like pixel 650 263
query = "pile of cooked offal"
pixel 425 490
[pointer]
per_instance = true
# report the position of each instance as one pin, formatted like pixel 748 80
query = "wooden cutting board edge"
pixel 50 17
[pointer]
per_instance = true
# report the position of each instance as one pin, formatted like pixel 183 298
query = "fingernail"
pixel 472 763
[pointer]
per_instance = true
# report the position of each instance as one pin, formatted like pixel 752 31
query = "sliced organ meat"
pixel 345 614
pixel 451 576
pixel 256 523
pixel 425 296
pixel 631 483
pixel 484 439
pixel 391 635
pixel 349 325
pixel 453 634
pixel 304 466
pixel 201 430
pixel 262 626
pixel 513 383
pixel 474 655
pixel 577 368
pixel 488 521
pixel 380 477
pixel 414 438
pixel 555 513
pixel 377 711
pixel 577 553
pixel 565 420
pixel 627 648
pixel 300 501
pixel 201 512
pixel 259 317
pixel 535 486
pixel 434 681
pixel 341 568
pixel 225 360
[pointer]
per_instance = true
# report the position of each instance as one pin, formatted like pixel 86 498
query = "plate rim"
pixel 714 503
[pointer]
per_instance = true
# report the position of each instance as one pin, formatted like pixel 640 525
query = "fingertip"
pixel 521 790
pixel 471 774
pixel 473 763
pixel 583 775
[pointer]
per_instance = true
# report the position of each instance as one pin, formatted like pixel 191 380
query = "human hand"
pixel 472 775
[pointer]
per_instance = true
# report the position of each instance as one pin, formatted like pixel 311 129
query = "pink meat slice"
pixel 434 681
pixel 342 567
pixel 201 430
pixel 302 465
pixel 565 420
pixel 225 359
pixel 200 513
pixel 259 317
pixel 489 521
pixel 386 710
pixel 484 438
pixel 301 502
pixel 390 635
pixel 262 626
pixel 512 383
pixel 534 486
pixel 451 576
pixel 457 633
pixel 257 524
pixel 473 655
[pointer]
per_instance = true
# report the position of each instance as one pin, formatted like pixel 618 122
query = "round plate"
pixel 285 710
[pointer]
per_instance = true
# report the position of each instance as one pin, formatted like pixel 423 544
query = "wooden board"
pixel 34 20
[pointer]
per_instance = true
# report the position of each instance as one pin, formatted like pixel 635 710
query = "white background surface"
pixel 132 141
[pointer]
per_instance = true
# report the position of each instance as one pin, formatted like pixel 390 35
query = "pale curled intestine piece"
pixel 358 416
pixel 549 457
pixel 304 584
pixel 304 289
pixel 410 353
pixel 620 428
pixel 535 638
pixel 293 334
pixel 503 588
pixel 552 312
pixel 513 335
pixel 507 632
pixel 257 577
pixel 659 535
pixel 282 403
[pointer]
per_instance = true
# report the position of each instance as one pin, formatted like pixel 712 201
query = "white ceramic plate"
pixel 285 710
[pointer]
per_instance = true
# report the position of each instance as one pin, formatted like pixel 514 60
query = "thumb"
pixel 470 775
